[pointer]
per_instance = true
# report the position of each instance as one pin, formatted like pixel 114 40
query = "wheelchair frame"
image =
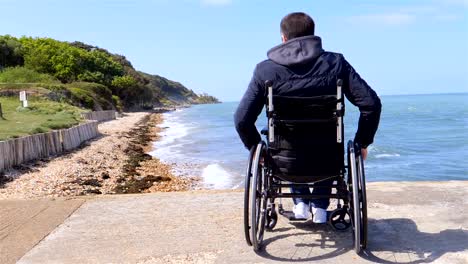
pixel 262 187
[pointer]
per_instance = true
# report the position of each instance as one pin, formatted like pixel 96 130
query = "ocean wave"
pixel 171 132
pixel 214 176
pixel 380 156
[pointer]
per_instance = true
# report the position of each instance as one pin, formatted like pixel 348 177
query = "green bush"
pixel 82 97
pixel 24 75
pixel 38 130
pixel 117 102
pixel 91 95
pixel 96 88
pixel 58 124
pixel 131 92
pixel 11 52
pixel 69 63
pixel 24 109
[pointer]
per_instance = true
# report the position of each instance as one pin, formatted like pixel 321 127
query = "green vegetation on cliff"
pixel 85 76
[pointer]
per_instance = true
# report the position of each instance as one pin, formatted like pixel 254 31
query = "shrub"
pixel 38 130
pixel 122 82
pixel 58 125
pixel 96 88
pixel 69 63
pixel 91 95
pixel 82 97
pixel 24 75
pixel 117 102
pixel 11 52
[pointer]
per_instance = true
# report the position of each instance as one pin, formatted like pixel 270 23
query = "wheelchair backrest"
pixel 306 128
pixel 306 113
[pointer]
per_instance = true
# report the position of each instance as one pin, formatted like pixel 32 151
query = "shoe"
pixel 301 211
pixel 320 215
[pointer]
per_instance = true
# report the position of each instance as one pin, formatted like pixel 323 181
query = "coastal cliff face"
pixel 171 92
pixel 86 76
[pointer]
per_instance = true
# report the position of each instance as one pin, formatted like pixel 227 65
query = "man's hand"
pixel 364 153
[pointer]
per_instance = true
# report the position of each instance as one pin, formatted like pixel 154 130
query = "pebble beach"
pixel 114 163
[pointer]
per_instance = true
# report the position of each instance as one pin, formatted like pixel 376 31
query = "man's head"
pixel 296 25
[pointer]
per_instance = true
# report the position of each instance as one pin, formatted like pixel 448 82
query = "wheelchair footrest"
pixel 291 217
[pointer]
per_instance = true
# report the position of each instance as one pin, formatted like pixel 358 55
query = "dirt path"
pixel 113 163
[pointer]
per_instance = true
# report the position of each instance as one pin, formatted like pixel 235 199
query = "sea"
pixel 420 138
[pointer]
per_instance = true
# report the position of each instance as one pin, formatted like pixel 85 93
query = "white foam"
pixel 379 156
pixel 171 132
pixel 216 177
pixel 170 138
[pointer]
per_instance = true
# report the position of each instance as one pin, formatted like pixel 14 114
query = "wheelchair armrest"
pixel 264 131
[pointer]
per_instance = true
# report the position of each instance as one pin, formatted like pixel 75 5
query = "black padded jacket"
pixel 300 67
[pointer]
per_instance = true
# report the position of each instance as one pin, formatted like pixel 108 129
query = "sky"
pixel 212 46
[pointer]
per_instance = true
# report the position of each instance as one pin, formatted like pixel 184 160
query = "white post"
pixel 23 98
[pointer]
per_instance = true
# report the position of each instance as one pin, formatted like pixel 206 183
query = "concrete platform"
pixel 23 223
pixel 409 223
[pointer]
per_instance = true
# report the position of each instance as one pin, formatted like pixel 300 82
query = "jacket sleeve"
pixel 247 112
pixel 360 94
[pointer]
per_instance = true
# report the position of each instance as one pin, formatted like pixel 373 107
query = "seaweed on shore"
pixel 131 181
pixel 4 179
pixel 136 185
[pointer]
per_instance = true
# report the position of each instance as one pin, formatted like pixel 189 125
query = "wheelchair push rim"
pixel 358 203
pixel 247 191
pixel 363 200
pixel 258 198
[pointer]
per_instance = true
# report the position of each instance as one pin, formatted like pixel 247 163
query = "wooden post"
pixel 1 112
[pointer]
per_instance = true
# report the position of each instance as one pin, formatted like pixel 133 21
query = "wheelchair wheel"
pixel 247 191
pixel 271 218
pixel 358 203
pixel 363 200
pixel 258 201
pixel 340 219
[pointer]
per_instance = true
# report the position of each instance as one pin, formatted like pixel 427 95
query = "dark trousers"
pixel 317 203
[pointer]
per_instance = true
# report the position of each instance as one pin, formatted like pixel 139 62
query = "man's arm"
pixel 247 112
pixel 360 94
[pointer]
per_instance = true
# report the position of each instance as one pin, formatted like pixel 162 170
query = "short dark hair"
pixel 297 25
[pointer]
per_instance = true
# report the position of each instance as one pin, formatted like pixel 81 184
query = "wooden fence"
pixel 100 115
pixel 20 150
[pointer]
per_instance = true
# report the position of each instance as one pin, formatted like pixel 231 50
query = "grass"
pixel 24 75
pixel 41 116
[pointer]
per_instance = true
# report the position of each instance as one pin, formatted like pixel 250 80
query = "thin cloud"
pixel 446 17
pixel 454 2
pixel 385 18
pixel 216 2
pixel 405 15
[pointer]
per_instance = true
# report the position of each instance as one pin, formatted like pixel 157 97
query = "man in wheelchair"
pixel 300 68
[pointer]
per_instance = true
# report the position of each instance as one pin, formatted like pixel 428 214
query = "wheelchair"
pixel 318 117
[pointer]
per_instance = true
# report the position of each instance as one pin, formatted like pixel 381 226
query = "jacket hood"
pixel 296 51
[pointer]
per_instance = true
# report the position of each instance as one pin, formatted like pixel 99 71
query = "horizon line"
pixel 413 94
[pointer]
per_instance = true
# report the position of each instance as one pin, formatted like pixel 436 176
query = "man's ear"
pixel 284 38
